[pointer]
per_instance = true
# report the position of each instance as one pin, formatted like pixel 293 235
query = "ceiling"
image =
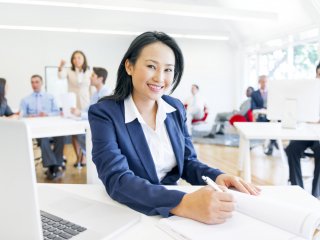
pixel 243 22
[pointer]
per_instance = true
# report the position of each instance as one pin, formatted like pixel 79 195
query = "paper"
pixel 279 213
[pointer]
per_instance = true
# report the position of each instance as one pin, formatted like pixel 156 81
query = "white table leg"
pixel 244 162
pixel 282 153
pixel 247 161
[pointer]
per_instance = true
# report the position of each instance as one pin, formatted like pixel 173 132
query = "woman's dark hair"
pixel 2 90
pixel 124 85
pixel 85 66
pixel 318 66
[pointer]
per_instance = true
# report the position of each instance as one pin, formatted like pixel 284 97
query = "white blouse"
pixel 78 83
pixel 158 140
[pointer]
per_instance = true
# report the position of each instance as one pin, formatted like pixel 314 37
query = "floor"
pixel 266 170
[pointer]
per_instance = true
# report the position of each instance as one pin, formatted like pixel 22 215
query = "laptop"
pixel 63 215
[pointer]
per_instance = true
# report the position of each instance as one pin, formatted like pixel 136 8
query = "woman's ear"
pixel 128 67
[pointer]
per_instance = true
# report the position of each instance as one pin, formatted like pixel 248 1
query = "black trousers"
pixel 294 152
pixel 51 157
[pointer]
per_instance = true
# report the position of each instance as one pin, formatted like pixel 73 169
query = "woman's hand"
pixel 61 65
pixel 239 184
pixel 206 205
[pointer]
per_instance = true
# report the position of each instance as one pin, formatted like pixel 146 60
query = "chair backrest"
pixel 237 118
pixel 205 116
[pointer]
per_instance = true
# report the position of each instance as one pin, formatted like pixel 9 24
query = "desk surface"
pixel 272 130
pixel 55 126
pixel 147 228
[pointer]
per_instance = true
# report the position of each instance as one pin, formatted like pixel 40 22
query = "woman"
pixel 79 83
pixel 5 110
pixel 140 139
pixel 78 78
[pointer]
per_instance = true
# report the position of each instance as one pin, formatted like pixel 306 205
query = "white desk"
pixel 41 127
pixel 146 229
pixel 261 130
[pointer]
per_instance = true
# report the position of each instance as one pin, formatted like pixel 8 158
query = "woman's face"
pixel 153 72
pixel 78 60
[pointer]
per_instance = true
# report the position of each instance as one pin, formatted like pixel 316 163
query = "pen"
pixel 211 183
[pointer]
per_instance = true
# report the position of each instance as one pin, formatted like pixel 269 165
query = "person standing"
pixel 78 77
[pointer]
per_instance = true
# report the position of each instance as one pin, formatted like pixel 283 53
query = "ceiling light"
pixel 108 32
pixel 160 8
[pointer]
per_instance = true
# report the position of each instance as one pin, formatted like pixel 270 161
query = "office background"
pixel 252 37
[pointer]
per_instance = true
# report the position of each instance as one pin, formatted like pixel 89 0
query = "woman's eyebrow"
pixel 156 62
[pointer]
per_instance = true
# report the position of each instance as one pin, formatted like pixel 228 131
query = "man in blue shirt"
pixel 42 104
pixel 97 80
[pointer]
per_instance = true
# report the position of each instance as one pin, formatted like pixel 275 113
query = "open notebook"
pixel 279 213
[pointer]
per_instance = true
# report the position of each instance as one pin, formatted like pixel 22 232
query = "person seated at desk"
pixel 141 142
pixel 295 151
pixel 195 106
pixel 221 118
pixel 42 104
pixel 98 79
pixel 259 100
pixel 5 110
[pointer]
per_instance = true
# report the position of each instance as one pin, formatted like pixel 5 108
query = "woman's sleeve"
pixel 120 182
pixel 62 74
pixel 8 112
pixel 193 169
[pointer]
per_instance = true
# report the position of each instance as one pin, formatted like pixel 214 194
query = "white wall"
pixel 23 53
pixel 211 65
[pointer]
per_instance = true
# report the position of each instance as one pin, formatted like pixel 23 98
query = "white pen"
pixel 211 183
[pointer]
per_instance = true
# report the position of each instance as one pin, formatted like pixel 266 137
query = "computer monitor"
pixel 294 101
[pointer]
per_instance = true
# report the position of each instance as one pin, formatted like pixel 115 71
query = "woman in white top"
pixel 78 77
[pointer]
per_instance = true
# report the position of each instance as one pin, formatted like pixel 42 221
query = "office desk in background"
pixel 269 130
pixel 41 127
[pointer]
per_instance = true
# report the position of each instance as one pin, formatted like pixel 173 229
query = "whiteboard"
pixel 54 85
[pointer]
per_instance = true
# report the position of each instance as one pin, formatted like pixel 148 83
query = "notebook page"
pixel 285 215
pixel 239 226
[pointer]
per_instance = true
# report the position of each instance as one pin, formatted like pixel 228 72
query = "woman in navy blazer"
pixel 152 65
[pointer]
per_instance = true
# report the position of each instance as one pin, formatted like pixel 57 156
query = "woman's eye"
pixel 169 70
pixel 152 66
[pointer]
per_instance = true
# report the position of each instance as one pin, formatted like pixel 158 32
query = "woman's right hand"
pixel 62 63
pixel 206 205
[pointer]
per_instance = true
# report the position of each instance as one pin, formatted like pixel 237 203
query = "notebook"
pixel 279 213
pixel 21 199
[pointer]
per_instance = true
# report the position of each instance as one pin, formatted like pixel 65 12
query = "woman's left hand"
pixel 238 183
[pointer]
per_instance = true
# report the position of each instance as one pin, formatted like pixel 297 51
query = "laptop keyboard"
pixel 55 228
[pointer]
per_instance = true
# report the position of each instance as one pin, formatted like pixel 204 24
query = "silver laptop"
pixel 63 215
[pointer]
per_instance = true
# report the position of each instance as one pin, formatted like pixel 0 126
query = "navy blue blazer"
pixel 256 100
pixel 124 161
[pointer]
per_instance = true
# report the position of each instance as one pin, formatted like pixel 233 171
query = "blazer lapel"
pixel 140 144
pixel 176 140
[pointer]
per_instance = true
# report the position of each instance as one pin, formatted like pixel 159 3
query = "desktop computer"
pixel 294 101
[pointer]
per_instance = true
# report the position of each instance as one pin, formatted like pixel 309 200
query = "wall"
pixel 23 53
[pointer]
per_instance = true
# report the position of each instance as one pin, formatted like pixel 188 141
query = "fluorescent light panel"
pixel 158 8
pixel 107 32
